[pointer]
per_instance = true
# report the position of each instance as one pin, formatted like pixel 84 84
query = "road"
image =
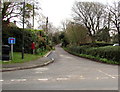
pixel 68 72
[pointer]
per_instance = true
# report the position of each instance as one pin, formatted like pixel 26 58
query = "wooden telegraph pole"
pixel 23 30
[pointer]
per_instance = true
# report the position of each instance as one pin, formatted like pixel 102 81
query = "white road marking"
pixel 1 80
pixel 45 79
pixel 53 59
pixel 68 57
pixel 62 78
pixel 97 78
pixel 12 80
pixel 41 69
pixel 61 55
pixel 107 74
pixel 104 78
pixel 116 75
pixel 18 80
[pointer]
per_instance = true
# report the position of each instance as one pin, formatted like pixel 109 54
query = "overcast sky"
pixel 58 10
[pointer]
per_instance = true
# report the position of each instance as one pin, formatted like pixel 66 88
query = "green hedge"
pixel 97 44
pixel 29 36
pixel 108 52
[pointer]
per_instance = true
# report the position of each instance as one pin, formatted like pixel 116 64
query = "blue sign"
pixel 11 40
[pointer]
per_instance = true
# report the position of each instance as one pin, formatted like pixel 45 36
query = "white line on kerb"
pixel 107 74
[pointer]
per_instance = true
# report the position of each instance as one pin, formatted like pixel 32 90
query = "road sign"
pixel 11 40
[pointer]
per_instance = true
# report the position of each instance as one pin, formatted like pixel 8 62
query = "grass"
pixel 27 57
pixel 104 60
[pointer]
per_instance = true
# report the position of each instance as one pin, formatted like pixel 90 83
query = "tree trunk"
pixel 118 29
pixel 119 38
pixel 93 39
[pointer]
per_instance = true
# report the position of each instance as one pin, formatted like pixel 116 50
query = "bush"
pixel 96 44
pixel 29 36
pixel 108 52
pixel 48 47
pixel 79 49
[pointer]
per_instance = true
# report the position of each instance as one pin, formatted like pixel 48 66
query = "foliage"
pixel 12 10
pixel 115 38
pixel 89 14
pixel 108 52
pixel 103 35
pixel 64 39
pixel 114 12
pixel 29 36
pixel 76 33
pixel 56 38
pixel 104 60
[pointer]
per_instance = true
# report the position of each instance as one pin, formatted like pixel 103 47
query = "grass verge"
pixel 27 57
pixel 103 60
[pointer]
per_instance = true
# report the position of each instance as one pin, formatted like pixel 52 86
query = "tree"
pixel 64 24
pixel 11 10
pixel 89 14
pixel 103 35
pixel 76 33
pixel 115 12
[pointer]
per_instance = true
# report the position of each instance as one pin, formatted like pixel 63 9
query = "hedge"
pixel 97 44
pixel 108 52
pixel 29 36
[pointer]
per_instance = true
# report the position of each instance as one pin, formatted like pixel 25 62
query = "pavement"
pixel 43 61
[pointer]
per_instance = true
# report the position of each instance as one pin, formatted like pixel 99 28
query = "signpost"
pixel 11 41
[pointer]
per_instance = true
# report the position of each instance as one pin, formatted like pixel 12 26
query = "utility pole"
pixel 47 28
pixel 33 15
pixel 109 20
pixel 47 25
pixel 23 30
pixel 1 6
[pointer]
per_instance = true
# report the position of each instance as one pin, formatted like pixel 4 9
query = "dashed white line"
pixel 1 80
pixel 97 78
pixel 61 55
pixel 61 78
pixel 18 80
pixel 43 79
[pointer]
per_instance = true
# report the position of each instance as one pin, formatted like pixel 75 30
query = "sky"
pixel 60 10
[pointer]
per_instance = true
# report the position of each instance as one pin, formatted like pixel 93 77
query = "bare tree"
pixel 10 10
pixel 64 24
pixel 115 13
pixel 89 14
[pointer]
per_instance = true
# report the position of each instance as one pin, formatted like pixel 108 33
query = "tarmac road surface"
pixel 67 72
